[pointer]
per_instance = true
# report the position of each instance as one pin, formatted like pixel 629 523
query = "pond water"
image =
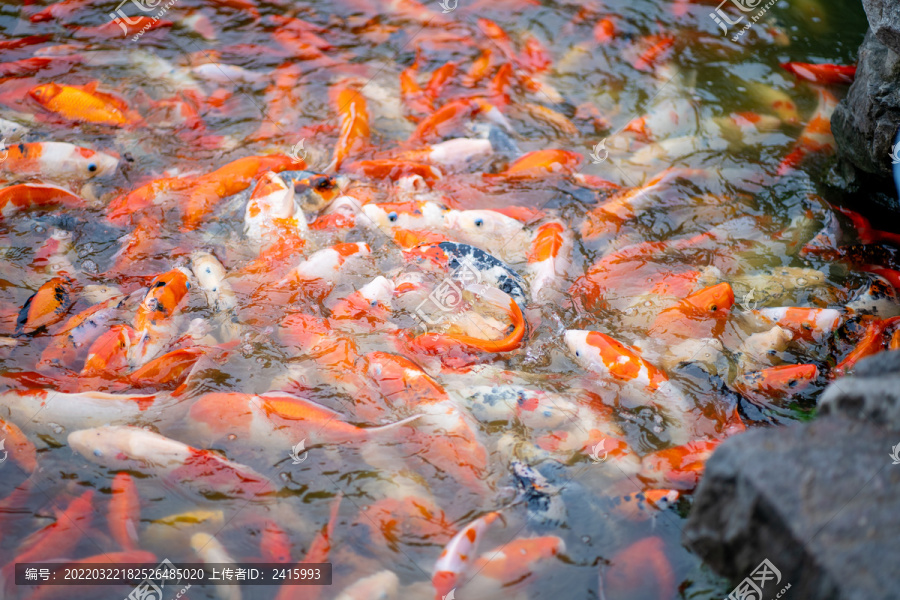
pixel 670 178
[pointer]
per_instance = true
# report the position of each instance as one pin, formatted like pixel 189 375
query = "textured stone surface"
pixel 872 393
pixel 819 500
pixel 884 20
pixel 866 121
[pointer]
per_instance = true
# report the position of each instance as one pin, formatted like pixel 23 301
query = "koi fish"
pixel 641 569
pixel 110 353
pixel 210 276
pixel 153 318
pixel 410 520
pixel 272 210
pixel 84 104
pixel 679 467
pixel 775 384
pixel 204 471
pixel 35 195
pixel 354 136
pixel 369 306
pixel 808 324
pixel 63 535
pixel 208 190
pixel 549 259
pixel 124 513
pixel 79 332
pixel 19 448
pixel 274 543
pixel 211 551
pixel 515 561
pixel 458 555
pixel 447 118
pixel 46 306
pixel 816 137
pixel 539 164
pixel 823 74
pixel 56 160
pixel 700 314
pixel 119 211
pixel 113 29
pixel 871 343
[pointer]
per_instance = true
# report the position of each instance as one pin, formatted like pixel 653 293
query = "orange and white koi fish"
pixel 515 561
pixel 57 161
pixel 699 315
pixel 133 448
pixel 816 137
pixel 35 195
pixel 46 306
pixel 823 74
pixel 403 215
pixel 549 258
pixel 110 353
pixel 208 190
pixel 272 210
pixel 276 418
pixel 84 104
pixel 153 319
pixel 776 384
pixel 485 229
pixel 121 209
pixel 20 449
pixel 368 307
pixel 326 264
pixel 459 554
pixel 211 278
pixel 679 467
pixel 124 514
pixel 354 136
pixel 380 586
pixel 395 169
pixel 807 324
pixel 79 333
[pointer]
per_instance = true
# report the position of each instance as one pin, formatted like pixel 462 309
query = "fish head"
pixel 94 164
pixel 713 300
pixel 271 198
pixel 43 94
pixel 482 224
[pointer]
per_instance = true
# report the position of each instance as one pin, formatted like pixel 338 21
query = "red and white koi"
pixel 458 555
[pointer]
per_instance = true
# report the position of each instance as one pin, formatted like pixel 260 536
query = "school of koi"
pixel 456 331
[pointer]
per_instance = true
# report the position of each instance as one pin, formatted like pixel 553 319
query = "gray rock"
pixel 818 500
pixel 872 393
pixel 866 120
pixel 884 19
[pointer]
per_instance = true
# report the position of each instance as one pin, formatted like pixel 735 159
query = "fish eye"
pixel 373 303
pixel 577 353
pixel 187 285
pixel 324 184
pixel 98 452
pixel 92 167
pixel 392 216
pixel 713 307
pixel 479 222
pixel 792 383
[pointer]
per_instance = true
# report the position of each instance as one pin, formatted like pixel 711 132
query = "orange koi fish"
pixel 62 536
pixel 56 160
pixel 605 30
pixel 46 306
pixel 153 318
pixel 208 190
pixel 658 50
pixel 79 333
pixel 871 343
pixel 409 520
pixel 864 230
pixel 124 514
pixel 823 74
pixel 539 164
pixel 274 543
pixel 699 315
pixel 444 120
pixel 775 384
pixel 119 211
pixel 84 104
pixel 112 29
pixel 458 555
pixel 816 137
pixel 352 108
pixel 317 553
pixel 167 370
pixel 369 306
pixel 515 561
pixel 395 169
pixel 641 506
pixel 35 195
pixel 109 355
pixel 679 467
pixel 61 10
pixel 20 449
pixel 479 69
pixel 640 571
